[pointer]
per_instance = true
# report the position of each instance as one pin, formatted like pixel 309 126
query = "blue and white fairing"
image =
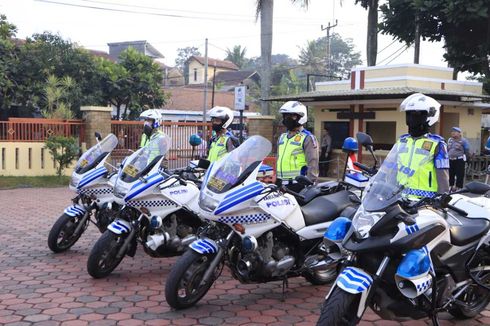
pixel 90 174
pixel 231 194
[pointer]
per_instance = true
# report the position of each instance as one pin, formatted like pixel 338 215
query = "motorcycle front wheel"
pixel 103 257
pixel 339 309
pixel 61 237
pixel 184 286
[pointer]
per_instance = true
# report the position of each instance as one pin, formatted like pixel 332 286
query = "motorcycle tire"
pixel 472 309
pixel 103 257
pixel 60 236
pixel 338 309
pixel 186 278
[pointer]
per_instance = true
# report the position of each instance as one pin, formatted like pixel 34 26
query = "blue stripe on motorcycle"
pixel 204 244
pixel 208 172
pixel 221 208
pixel 86 181
pixel 348 285
pixel 358 275
pixel 139 183
pixel 140 190
pixel 94 172
pixel 120 225
pixel 199 248
pixel 237 194
pixel 212 245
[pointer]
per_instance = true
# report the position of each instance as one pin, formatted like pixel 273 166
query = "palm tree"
pixel 237 55
pixel 264 11
pixel 372 29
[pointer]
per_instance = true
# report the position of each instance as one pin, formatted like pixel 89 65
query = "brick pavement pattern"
pixel 42 288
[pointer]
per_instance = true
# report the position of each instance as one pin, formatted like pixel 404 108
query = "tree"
pixel 183 54
pixel 464 25
pixel 8 63
pixel 132 84
pixel 265 9
pixel 57 99
pixel 343 56
pixel 237 55
pixel 372 29
pixel 64 150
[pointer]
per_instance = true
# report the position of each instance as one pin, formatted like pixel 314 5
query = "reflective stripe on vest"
pixel 416 168
pixel 291 156
pixel 218 148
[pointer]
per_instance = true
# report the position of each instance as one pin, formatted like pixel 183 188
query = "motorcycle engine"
pixel 272 258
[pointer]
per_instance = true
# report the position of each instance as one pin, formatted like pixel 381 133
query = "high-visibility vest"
pixel 291 160
pixel 218 147
pixel 154 148
pixel 416 165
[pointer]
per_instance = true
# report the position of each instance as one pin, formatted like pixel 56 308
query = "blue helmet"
pixel 195 140
pixel 350 145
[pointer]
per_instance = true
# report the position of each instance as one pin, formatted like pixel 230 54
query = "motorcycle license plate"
pixel 83 163
pixel 217 183
pixel 130 170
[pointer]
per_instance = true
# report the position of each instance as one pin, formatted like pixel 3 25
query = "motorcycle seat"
pixel 470 230
pixel 317 190
pixel 326 208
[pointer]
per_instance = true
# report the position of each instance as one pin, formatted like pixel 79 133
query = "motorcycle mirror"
pixel 476 187
pixel 98 136
pixel 203 164
pixel 365 140
pixel 278 182
pixel 301 179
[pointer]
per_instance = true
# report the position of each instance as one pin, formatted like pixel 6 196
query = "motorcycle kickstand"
pixel 285 285
pixel 435 320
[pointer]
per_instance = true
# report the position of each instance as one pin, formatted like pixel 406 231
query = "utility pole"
pixel 416 54
pixel 214 85
pixel 328 43
pixel 204 107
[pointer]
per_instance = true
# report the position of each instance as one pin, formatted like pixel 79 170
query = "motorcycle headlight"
pixel 119 190
pixel 207 203
pixel 363 221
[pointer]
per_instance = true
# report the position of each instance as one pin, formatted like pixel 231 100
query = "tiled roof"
pixel 215 62
pixel 377 93
pixel 234 77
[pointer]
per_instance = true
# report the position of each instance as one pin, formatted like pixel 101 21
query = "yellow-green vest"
pixel 218 147
pixel 291 158
pixel 416 168
pixel 145 142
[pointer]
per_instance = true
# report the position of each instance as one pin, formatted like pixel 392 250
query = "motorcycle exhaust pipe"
pixel 413 287
pixel 244 267
pixel 275 267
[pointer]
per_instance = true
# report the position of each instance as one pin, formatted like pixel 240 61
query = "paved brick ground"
pixel 41 288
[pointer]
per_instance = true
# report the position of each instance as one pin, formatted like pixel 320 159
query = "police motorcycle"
pixel 260 232
pixel 91 181
pixel 411 258
pixel 157 210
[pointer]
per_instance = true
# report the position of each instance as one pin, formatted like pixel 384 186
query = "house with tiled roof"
pixel 195 69
pixel 141 46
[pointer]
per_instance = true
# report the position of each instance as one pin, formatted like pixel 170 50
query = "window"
pixel 383 134
pixel 195 74
pixel 338 131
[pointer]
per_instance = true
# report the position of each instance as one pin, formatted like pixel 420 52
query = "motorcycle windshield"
pixel 95 154
pixel 237 165
pixel 393 177
pixel 145 158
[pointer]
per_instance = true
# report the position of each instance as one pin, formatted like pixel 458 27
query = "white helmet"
pixel 295 107
pixel 152 114
pixel 223 113
pixel 421 102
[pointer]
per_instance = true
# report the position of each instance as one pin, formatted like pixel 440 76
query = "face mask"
pixel 217 128
pixel 417 123
pixel 147 129
pixel 290 123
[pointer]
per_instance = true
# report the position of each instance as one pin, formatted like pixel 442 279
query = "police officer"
pixel 421 152
pixel 458 150
pixel 223 141
pixel 151 131
pixel 297 152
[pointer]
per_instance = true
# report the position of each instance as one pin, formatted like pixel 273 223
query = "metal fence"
pixel 38 130
pixel 181 152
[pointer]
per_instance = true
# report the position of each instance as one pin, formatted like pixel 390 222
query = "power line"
pixel 406 48
pixel 387 46
pixel 394 53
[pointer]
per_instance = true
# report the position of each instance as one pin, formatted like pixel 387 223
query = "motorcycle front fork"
pixel 127 241
pixel 222 245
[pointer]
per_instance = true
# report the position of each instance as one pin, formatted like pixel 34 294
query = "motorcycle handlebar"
pixel 365 168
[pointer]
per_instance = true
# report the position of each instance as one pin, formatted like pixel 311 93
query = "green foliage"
pixel 63 149
pixel 56 95
pixel 462 24
pixel 237 55
pixel 7 30
pixel 183 54
pixel 8 182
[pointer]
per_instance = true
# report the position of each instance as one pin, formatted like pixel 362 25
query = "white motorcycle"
pixel 158 210
pixel 261 233
pixel 409 257
pixel 90 180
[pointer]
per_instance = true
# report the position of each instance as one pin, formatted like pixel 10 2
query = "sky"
pixel 172 24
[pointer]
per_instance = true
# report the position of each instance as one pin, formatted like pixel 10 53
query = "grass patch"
pixel 8 182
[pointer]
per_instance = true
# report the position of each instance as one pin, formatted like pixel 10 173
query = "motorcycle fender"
pixel 354 280
pixel 119 226
pixel 75 211
pixel 204 246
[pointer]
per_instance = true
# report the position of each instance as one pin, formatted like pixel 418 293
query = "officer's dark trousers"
pixel 456 171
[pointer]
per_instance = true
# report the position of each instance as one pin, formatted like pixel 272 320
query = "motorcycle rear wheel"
pixel 476 299
pixel 61 236
pixel 184 287
pixel 339 309
pixel 103 257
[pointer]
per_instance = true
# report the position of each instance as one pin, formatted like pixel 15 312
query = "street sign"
pixel 240 98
